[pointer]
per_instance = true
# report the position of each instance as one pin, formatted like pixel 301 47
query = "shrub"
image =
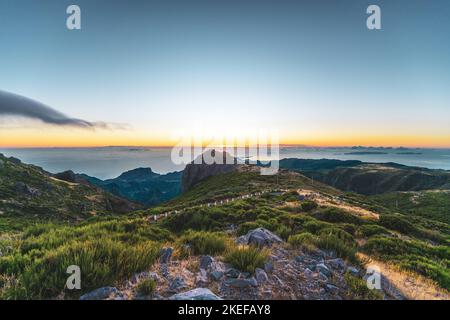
pixel 305 241
pixel 103 262
pixel 357 289
pixel 203 242
pixel 368 230
pixel 397 223
pixel 246 258
pixel 338 233
pixel 308 205
pixel 146 287
pixel 246 227
pixel 332 214
pixel 342 249
pixel 315 226
pixel 283 231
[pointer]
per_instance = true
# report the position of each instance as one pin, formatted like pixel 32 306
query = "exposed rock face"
pixel 195 294
pixel 203 168
pixel 68 176
pixel 165 255
pixel 260 237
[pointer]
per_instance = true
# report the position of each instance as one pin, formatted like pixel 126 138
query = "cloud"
pixel 15 105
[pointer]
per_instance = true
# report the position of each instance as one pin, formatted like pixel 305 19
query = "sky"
pixel 141 72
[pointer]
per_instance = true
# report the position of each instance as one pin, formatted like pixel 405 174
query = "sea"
pixel 110 162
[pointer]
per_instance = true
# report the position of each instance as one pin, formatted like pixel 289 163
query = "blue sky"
pixel 305 67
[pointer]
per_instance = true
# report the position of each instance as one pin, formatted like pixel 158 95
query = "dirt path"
pixel 407 285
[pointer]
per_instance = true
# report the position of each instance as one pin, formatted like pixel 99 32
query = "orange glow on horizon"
pixel 55 137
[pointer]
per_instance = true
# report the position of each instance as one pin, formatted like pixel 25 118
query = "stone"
pixel 308 273
pixel 232 273
pixel 337 264
pixel 201 278
pixel 177 284
pixel 165 254
pixel 205 262
pixel 216 275
pixel 100 293
pixel 353 271
pixel 145 275
pixel 322 268
pixel 261 275
pixel 196 294
pixel 268 267
pixel 242 283
pixel 332 289
pixel 261 237
pixel 322 277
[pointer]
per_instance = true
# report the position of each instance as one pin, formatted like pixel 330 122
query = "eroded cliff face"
pixel 203 168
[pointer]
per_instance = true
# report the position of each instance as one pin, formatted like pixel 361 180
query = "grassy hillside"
pixel 369 178
pixel 29 194
pixel 306 215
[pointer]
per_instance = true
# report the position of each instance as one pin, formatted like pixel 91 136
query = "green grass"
pixel 304 241
pixel 357 289
pixel 201 242
pixel 146 287
pixel 246 258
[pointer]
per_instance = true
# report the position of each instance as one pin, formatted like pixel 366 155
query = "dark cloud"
pixel 15 105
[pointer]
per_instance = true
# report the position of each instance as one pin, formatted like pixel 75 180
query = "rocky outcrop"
pixel 203 168
pixel 68 176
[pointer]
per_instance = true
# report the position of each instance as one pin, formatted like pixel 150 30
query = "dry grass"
pixel 410 284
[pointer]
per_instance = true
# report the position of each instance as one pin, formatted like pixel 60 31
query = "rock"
pixel 332 289
pixel 100 293
pixel 353 271
pixel 195 294
pixel 242 283
pixel 201 168
pixel 268 267
pixel 260 237
pixel 261 275
pixel 202 278
pixel 205 262
pixel 165 254
pixel 322 277
pixel 216 275
pixel 145 275
pixel 177 284
pixel 308 273
pixel 232 273
pixel 322 268
pixel 68 176
pixel 337 264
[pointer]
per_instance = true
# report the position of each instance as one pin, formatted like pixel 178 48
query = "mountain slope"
pixel 29 191
pixel 369 178
pixel 141 185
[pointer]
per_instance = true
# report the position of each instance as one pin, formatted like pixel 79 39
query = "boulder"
pixel 232 273
pixel 205 262
pixel 216 275
pixel 242 283
pixel 323 269
pixel 261 275
pixel 268 267
pixel 195 294
pixel 260 237
pixel 100 293
pixel 177 284
pixel 165 254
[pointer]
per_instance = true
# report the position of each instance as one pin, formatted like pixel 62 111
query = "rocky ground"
pixel 288 274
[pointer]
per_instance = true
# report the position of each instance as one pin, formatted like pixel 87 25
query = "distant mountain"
pixel 369 178
pixel 141 185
